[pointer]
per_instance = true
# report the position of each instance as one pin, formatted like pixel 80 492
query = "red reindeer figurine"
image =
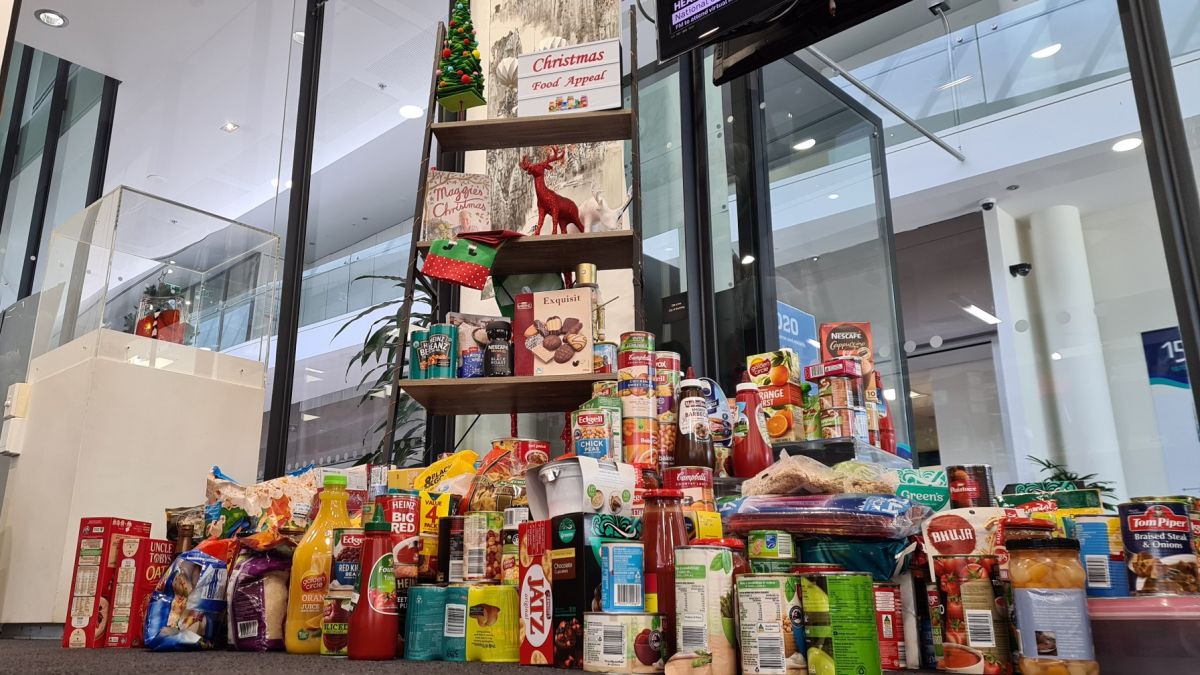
pixel 562 211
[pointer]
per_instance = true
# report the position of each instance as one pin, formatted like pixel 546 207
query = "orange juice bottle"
pixel 310 569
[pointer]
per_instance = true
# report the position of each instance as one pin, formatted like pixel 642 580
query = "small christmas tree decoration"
pixel 460 82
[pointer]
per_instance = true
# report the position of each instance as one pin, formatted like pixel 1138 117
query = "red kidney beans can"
pixel 451 556
pixel 889 623
pixel 971 485
pixel 1157 536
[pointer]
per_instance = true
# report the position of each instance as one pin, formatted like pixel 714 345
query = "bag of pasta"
pixel 188 606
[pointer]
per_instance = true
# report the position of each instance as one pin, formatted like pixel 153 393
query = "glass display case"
pixel 138 264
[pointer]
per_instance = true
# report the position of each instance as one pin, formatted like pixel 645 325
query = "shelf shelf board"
pixel 520 132
pixel 503 395
pixel 552 253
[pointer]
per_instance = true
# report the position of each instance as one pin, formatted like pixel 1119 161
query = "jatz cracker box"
pixel 575 540
pixel 552 332
pixel 92 578
pixel 535 595
pixel 140 563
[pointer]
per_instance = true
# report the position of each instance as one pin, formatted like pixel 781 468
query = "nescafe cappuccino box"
pixel 848 338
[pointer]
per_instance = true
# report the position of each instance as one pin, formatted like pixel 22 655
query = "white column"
pixel 1077 383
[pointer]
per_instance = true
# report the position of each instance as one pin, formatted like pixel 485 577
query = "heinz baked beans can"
pixel 839 623
pixel 604 357
pixel 416 357
pixel 635 375
pixel 622 643
pixel 439 352
pixel 771 623
pixel 1157 536
pixel 639 441
pixel 971 485
pixel 889 624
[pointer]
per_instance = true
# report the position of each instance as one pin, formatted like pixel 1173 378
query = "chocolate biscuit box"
pixel 552 332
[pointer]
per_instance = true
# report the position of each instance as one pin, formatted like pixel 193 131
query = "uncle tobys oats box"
pixel 90 604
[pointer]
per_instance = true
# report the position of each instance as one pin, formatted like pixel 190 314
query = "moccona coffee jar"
pixel 1050 607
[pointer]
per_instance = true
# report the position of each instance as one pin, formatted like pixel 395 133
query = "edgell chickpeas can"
pixel 621 587
pixel 839 624
pixel 770 623
pixel 622 643
pixel 424 630
pixel 770 545
pixel 704 622
pixel 889 625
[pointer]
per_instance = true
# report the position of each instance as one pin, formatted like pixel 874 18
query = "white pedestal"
pixel 119 425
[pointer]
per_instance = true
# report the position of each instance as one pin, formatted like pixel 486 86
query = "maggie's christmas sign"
pixel 581 78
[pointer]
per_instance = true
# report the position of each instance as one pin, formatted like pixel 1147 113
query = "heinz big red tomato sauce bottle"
pixel 310 570
pixel 374 624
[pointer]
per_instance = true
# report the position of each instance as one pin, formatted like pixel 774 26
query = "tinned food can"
pixel 971 485
pixel 335 626
pixel 604 358
pixel 1157 537
pixel 771 623
pixel 621 569
pixel 439 352
pixel 696 483
pixel 526 452
pixel 1103 555
pixel 482 546
pixel 839 623
pixel 770 544
pixel 591 433
pixel 451 559
pixel 639 441
pixel 605 388
pixel 416 355
pixel 424 630
pixel 493 624
pixel 454 623
pixel 635 375
pixel 889 625
pixel 703 586
pixel 666 396
pixel 843 423
pixel 344 568
pixel 622 643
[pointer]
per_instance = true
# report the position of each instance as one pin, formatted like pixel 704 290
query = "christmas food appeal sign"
pixel 581 78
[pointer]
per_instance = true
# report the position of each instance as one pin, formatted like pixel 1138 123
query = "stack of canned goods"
pixel 639 405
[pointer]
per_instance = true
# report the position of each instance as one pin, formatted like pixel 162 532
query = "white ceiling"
pixel 186 67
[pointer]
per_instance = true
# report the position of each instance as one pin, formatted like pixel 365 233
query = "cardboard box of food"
pixel 785 423
pixel 575 541
pixel 774 368
pixel 552 332
pixel 139 564
pixel 849 338
pixel 92 578
pixel 535 596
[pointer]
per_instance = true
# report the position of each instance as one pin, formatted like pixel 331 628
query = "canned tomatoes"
pixel 639 441
pixel 482 546
pixel 770 544
pixel 839 623
pixel 604 358
pixel 621 577
pixel 1157 536
pixel 591 433
pixel 771 623
pixel 889 625
pixel 622 643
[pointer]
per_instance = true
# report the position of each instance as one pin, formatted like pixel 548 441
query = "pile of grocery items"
pixel 707 548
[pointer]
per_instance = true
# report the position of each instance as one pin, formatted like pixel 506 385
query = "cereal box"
pixel 535 600
pixel 92 578
pixel 140 563
pixel 552 332
pixel 774 368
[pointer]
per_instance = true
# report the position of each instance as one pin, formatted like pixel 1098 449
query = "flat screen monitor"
pixel 683 25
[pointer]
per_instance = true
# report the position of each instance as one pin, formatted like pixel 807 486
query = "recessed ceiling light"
pixel 747 259
pixel 51 18
pixel 1012 188
pixel 1127 144
pixel 954 83
pixel 981 314
pixel 1047 52
pixel 1056 356
pixel 815 258
pixel 411 112
pixel 805 144
pixel 298 37
pixel 230 127
pixel 834 195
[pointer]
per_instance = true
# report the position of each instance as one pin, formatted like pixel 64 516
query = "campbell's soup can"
pixel 604 357
pixel 526 452
pixel 971 485
pixel 889 624
pixel 839 623
pixel 703 585
pixel 622 643
pixel 635 375
pixel 696 482
pixel 451 558
pixel 1157 537
pixel 771 622
pixel 639 441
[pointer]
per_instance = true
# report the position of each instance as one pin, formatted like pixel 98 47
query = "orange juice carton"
pixel 774 368
pixel 92 578
pixel 785 423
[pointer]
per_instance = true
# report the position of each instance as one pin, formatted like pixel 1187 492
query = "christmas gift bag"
pixel 459 261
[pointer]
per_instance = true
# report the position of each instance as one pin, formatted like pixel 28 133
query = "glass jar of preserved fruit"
pixel 1050 607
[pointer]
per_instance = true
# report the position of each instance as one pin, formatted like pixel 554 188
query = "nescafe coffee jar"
pixel 498 355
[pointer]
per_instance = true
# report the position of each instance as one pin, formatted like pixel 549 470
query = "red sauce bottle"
pixel 752 449
pixel 374 623
pixel 663 529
